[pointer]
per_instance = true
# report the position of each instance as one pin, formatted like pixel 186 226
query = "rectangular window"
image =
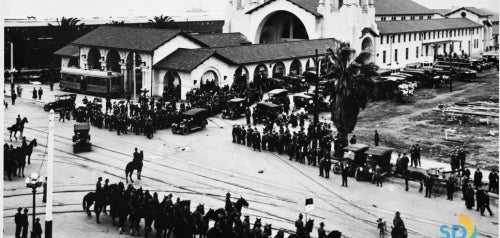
pixel 420 36
pixel 429 17
pixel 454 32
pixel 403 18
pixel 425 35
pixel 426 50
pixel 416 52
pixel 412 17
pixel 393 18
pixel 393 38
pixel 383 56
pixel 407 53
pixel 404 37
pixel 433 35
pixel 387 39
pixel 421 17
pixel 381 40
pixel 399 38
pixel 415 37
pixel 396 55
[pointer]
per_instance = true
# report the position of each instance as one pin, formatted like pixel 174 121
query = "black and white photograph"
pixel 250 118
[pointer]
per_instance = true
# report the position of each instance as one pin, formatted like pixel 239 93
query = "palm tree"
pixel 66 30
pixel 160 21
pixel 116 23
pixel 353 85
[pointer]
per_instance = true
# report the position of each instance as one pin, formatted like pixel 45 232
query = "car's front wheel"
pixel 185 130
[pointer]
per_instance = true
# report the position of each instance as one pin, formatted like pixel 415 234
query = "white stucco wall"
pixel 170 46
pixel 390 48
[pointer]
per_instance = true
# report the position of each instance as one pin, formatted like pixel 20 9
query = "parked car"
pixel 235 108
pixel 66 101
pixel 375 156
pixel 195 118
pixel 266 111
pixel 81 138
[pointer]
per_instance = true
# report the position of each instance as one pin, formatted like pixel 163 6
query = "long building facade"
pixel 272 39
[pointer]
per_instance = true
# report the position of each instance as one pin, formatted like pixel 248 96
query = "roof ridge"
pixel 274 43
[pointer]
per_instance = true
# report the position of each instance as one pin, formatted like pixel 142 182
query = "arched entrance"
pixel 241 77
pixel 209 80
pixel 279 70
pixel 310 65
pixel 281 26
pixel 172 88
pixel 367 45
pixel 134 69
pixel 295 68
pixel 260 73
pixel 113 61
pixel 93 59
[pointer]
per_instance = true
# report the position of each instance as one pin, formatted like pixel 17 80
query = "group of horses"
pixel 14 159
pixel 175 218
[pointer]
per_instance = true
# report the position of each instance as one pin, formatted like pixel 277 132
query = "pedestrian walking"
pixel 429 183
pixel 486 204
pixel 376 138
pixel 35 94
pixel 25 223
pixel 321 167
pixel 299 226
pixel 382 227
pixel 328 167
pixel 51 84
pixel 40 93
pixel 19 90
pixel 62 114
pixel 479 199
pixel 469 197
pixel 18 219
pixel 378 175
pixel 37 229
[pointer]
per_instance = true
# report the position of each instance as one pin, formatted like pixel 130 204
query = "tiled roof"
pixel 222 39
pixel 309 5
pixel 247 54
pixel 389 27
pixel 442 12
pixel 69 50
pixel 400 7
pixel 132 38
pixel 494 14
pixel 477 11
pixel 185 59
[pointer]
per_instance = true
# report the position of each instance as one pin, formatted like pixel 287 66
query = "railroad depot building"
pixel 272 39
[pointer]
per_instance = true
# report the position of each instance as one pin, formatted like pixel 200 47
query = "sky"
pixel 105 8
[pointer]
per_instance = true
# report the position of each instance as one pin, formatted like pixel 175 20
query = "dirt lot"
pixel 402 125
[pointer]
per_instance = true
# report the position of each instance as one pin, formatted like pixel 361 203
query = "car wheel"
pixel 336 169
pixel 357 175
pixel 203 125
pixel 46 108
pixel 185 130
pixel 174 131
pixel 74 150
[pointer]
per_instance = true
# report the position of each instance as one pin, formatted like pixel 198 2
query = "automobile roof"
pixel 194 111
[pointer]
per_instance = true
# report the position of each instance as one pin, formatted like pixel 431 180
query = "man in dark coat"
pixel 299 226
pixel 429 183
pixel 486 204
pixel 478 178
pixel 493 182
pixel 35 94
pixel 328 167
pixel 404 163
pixel 40 93
pixel 18 219
pixel 321 230
pixel 450 188
pixel 248 115
pixel 479 199
pixel 345 173
pixel 25 223
pixel 376 138
pixel 37 229
pixel 13 98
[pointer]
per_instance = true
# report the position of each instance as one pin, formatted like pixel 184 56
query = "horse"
pixel 268 231
pixel 18 155
pixel 416 176
pixel 9 167
pixel 91 198
pixel 200 220
pixel 17 127
pixel 29 149
pixel 129 170
pixel 240 203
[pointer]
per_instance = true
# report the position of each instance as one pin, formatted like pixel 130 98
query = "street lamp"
pixel 33 182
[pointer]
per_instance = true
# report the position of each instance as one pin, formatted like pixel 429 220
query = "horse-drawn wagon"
pixel 81 139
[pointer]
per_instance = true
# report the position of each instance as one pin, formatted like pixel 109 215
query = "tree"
pixel 160 21
pixel 66 30
pixel 353 85
pixel 116 23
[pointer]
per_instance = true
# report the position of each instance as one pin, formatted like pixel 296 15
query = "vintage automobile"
pixel 81 138
pixel 235 108
pixel 66 101
pixel 278 96
pixel 375 156
pixel 195 118
pixel 303 101
pixel 354 154
pixel 295 83
pixel 266 111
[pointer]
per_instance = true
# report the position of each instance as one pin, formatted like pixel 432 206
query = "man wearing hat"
pixel 299 225
pixel 98 186
pixel 493 181
pixel 321 230
pixel 37 229
pixel 25 223
pixel 18 220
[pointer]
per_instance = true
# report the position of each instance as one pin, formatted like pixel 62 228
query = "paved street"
pixel 203 167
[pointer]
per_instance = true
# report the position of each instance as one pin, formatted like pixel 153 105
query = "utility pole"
pixel 50 177
pixel 316 93
pixel 12 67
pixel 451 67
pixel 133 77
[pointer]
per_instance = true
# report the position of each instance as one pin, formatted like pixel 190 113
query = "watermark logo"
pixel 466 228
